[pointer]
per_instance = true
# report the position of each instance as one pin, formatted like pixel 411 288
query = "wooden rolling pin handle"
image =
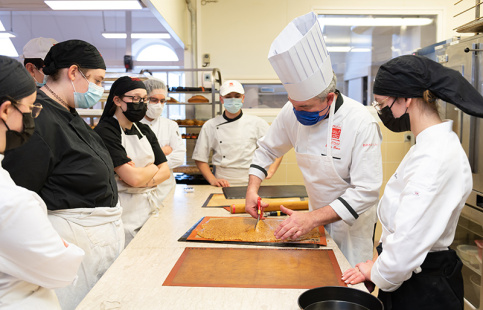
pixel 273 206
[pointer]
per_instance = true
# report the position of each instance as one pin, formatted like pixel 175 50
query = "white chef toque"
pixel 300 58
pixel 38 47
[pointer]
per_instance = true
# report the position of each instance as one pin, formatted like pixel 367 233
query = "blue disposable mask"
pixel 232 105
pixel 43 82
pixel 310 118
pixel 90 98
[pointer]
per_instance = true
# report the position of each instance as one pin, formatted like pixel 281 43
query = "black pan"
pixel 338 298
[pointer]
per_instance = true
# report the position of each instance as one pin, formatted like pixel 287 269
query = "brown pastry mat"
pixel 255 268
pixel 192 235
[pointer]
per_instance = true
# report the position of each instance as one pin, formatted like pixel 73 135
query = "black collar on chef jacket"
pixel 338 103
pixel 229 120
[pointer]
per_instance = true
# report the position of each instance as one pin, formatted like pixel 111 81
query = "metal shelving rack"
pixel 215 79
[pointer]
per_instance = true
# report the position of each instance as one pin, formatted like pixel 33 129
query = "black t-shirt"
pixel 65 161
pixel 110 132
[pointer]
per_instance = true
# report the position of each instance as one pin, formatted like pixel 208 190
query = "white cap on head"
pixel 231 86
pixel 38 47
pixel 300 58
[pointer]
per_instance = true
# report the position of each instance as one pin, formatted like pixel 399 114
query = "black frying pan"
pixel 338 298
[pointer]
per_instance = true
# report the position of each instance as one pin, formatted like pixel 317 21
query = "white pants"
pixel 99 232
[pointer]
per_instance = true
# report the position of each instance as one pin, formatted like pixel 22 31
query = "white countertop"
pixel 134 281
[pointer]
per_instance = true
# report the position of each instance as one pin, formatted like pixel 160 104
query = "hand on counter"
pixel 361 273
pixel 296 225
pixel 219 183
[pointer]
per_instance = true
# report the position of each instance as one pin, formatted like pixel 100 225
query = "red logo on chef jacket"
pixel 336 130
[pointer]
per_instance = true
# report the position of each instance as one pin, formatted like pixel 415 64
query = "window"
pixel 157 52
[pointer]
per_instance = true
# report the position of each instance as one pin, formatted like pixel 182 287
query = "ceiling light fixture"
pixel 140 35
pixel 346 49
pixel 90 5
pixel 374 21
pixel 7 34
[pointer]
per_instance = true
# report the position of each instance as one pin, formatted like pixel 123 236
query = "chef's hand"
pixel 295 226
pixel 361 273
pixel 251 205
pixel 220 183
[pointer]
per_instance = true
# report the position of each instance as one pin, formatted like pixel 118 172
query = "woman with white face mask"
pixel 233 139
pixel 33 257
pixel 166 130
pixel 68 165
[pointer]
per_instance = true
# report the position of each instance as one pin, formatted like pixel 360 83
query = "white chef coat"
pixel 421 204
pixel 167 132
pixel 33 258
pixel 356 158
pixel 233 142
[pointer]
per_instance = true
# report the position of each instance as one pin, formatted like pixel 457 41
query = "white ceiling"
pixel 33 18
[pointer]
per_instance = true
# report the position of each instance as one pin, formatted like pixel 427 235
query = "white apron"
pixel 234 176
pixel 99 232
pixel 138 203
pixel 324 185
pixel 28 296
pixel 166 187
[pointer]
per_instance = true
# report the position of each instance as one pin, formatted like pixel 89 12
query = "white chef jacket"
pixel 233 141
pixel 33 258
pixel 356 150
pixel 421 204
pixel 167 132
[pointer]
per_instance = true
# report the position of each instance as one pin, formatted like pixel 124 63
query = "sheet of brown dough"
pixel 243 229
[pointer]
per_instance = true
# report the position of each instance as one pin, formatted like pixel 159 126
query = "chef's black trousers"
pixel 438 286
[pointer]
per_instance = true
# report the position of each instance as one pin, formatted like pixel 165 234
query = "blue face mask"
pixel 232 105
pixel 43 82
pixel 310 118
pixel 90 98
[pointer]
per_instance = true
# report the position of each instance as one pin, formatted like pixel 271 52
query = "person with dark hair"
pixel 33 257
pixel 423 199
pixel 139 162
pixel 34 53
pixel 68 165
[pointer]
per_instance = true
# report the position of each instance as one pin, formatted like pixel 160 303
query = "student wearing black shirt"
pixel 139 162
pixel 68 165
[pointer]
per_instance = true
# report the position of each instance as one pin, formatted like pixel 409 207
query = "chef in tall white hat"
pixel 342 180
pixel 34 53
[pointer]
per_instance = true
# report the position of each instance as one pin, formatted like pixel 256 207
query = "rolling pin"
pixel 274 205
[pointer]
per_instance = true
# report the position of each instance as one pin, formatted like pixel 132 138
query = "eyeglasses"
pixel 34 108
pixel 137 99
pixel 378 105
pixel 154 100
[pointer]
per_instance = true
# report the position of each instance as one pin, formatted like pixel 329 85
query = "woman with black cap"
pixel 422 200
pixel 139 162
pixel 33 257
pixel 68 165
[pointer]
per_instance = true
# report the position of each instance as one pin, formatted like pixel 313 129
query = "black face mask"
pixel 399 124
pixel 14 138
pixel 135 112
